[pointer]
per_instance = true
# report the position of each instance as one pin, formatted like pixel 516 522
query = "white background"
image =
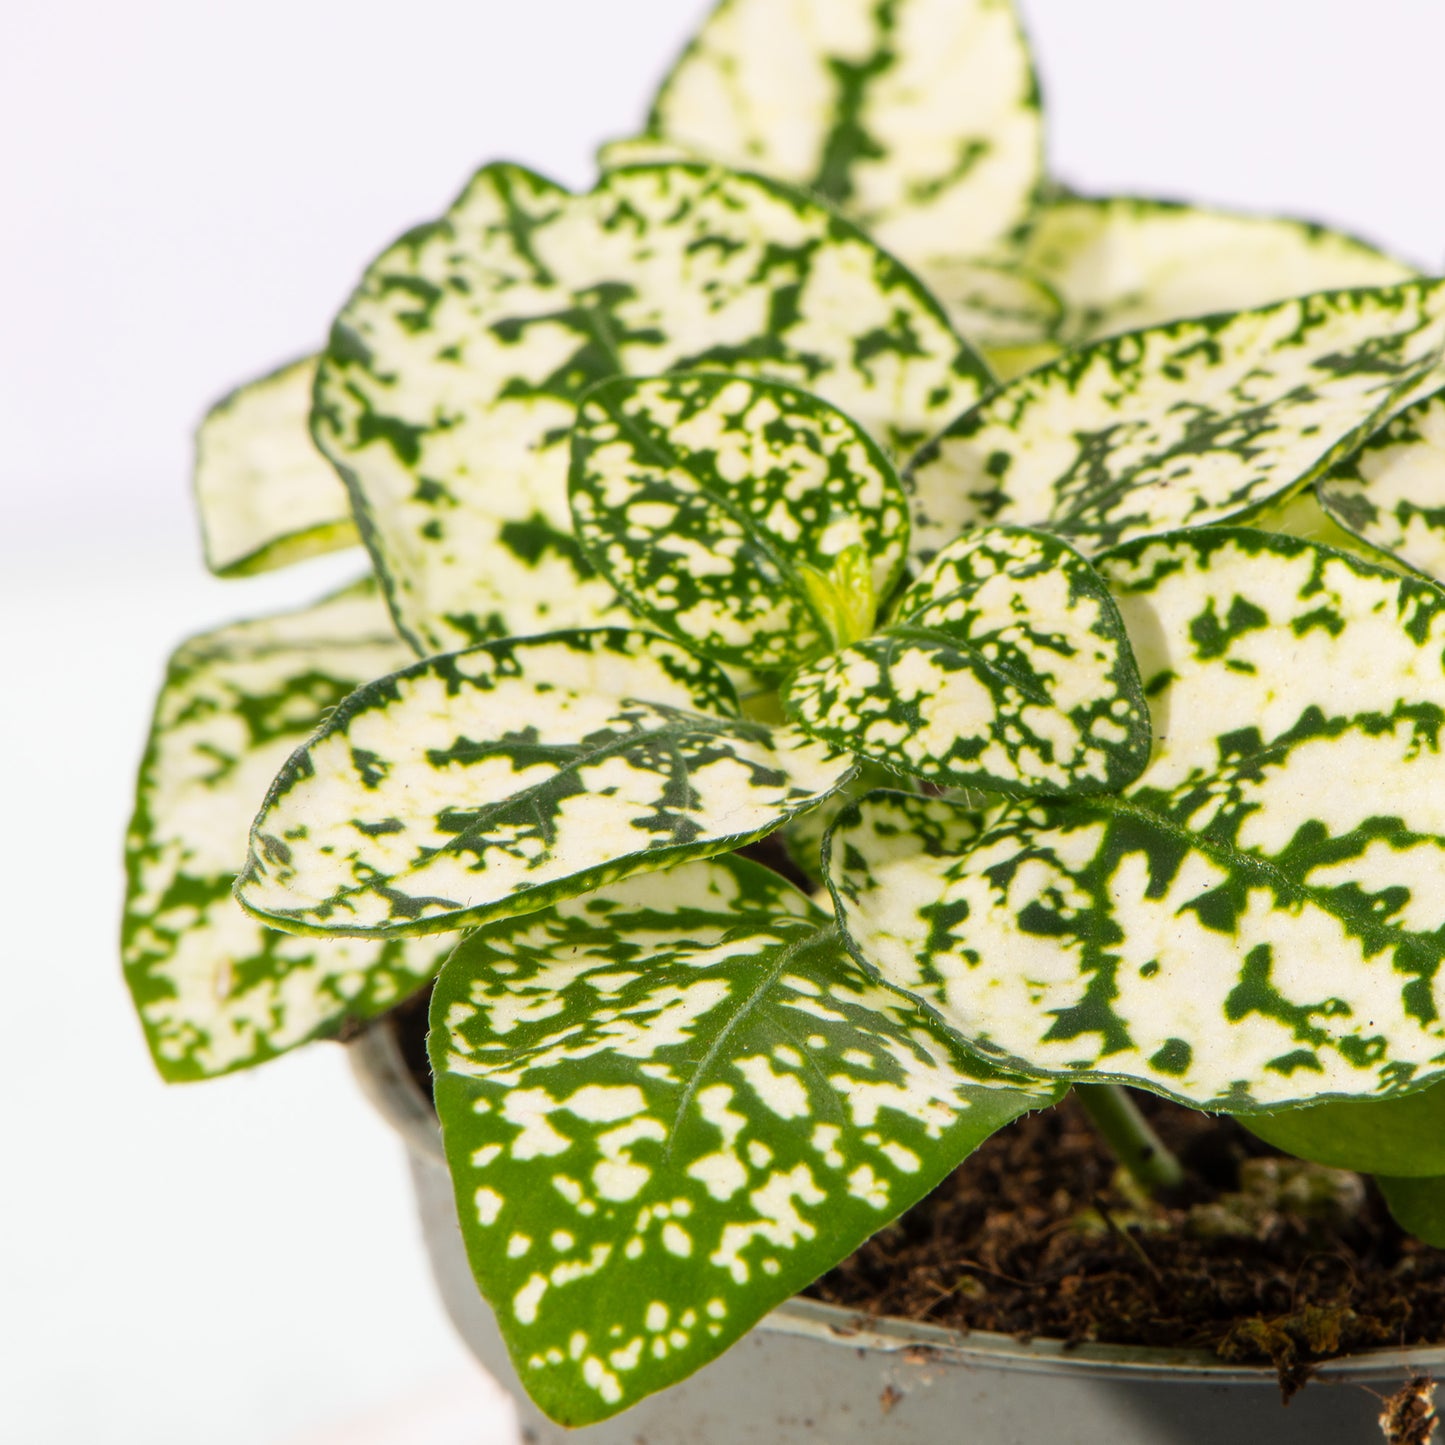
pixel 188 190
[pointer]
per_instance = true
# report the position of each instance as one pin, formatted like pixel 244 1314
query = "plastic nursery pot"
pixel 814 1373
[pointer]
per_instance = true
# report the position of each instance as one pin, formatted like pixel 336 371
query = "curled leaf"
pixel 215 989
pixel 265 495
pixel 1119 263
pixel 1391 493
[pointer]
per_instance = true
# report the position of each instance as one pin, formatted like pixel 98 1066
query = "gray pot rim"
pixel 377 1063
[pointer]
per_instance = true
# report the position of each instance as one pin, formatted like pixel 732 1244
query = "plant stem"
pixel 1126 1131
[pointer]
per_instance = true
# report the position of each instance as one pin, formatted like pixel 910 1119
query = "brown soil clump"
pixel 1409 1415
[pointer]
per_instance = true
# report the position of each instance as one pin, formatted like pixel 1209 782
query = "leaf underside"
pixel 998 307
pixel 1418 1206
pixel 1237 929
pixel 1120 263
pixel 501 779
pixel 453 375
pixel 1391 493
pixel 1302 515
pixel 644 150
pixel 1005 667
pixel 668 1106
pixel 265 495
pixel 1184 425
pixel 215 989
pixel 918 118
pixel 709 500
pixel 1403 1137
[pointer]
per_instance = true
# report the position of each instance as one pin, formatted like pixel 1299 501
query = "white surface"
pixel 189 191
pixel 462 1409
pixel 229 1263
pixel 1327 109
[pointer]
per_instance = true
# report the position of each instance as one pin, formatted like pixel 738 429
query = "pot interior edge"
pixel 381 1071
pixel 816 1319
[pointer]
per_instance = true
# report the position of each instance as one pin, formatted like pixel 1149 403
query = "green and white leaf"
pixel 1259 919
pixel 215 989
pixel 1418 1206
pixel 1391 493
pixel 1006 667
pixel 266 496
pixel 1184 425
pixel 920 119
pixel 1404 1136
pixel 499 780
pixel 453 376
pixel 643 150
pixel 1120 263
pixel 803 837
pixel 752 521
pixel 669 1105
pixel 1001 309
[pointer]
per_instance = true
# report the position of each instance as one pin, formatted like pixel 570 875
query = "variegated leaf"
pixel 1120 263
pixel 1183 425
pixel 1418 1206
pixel 918 118
pixel 1006 667
pixel 669 1105
pixel 1391 493
pixel 498 780
pixel 1260 918
pixel 454 373
pixel 215 989
pixel 803 837
pixel 752 521
pixel 266 496
pixel 1004 311
pixel 1001 309
pixel 643 150
pixel 1404 1136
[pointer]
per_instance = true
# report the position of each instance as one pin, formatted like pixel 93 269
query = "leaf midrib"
pixel 753 1002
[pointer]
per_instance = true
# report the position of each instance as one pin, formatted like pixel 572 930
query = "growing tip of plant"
pixel 843 598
